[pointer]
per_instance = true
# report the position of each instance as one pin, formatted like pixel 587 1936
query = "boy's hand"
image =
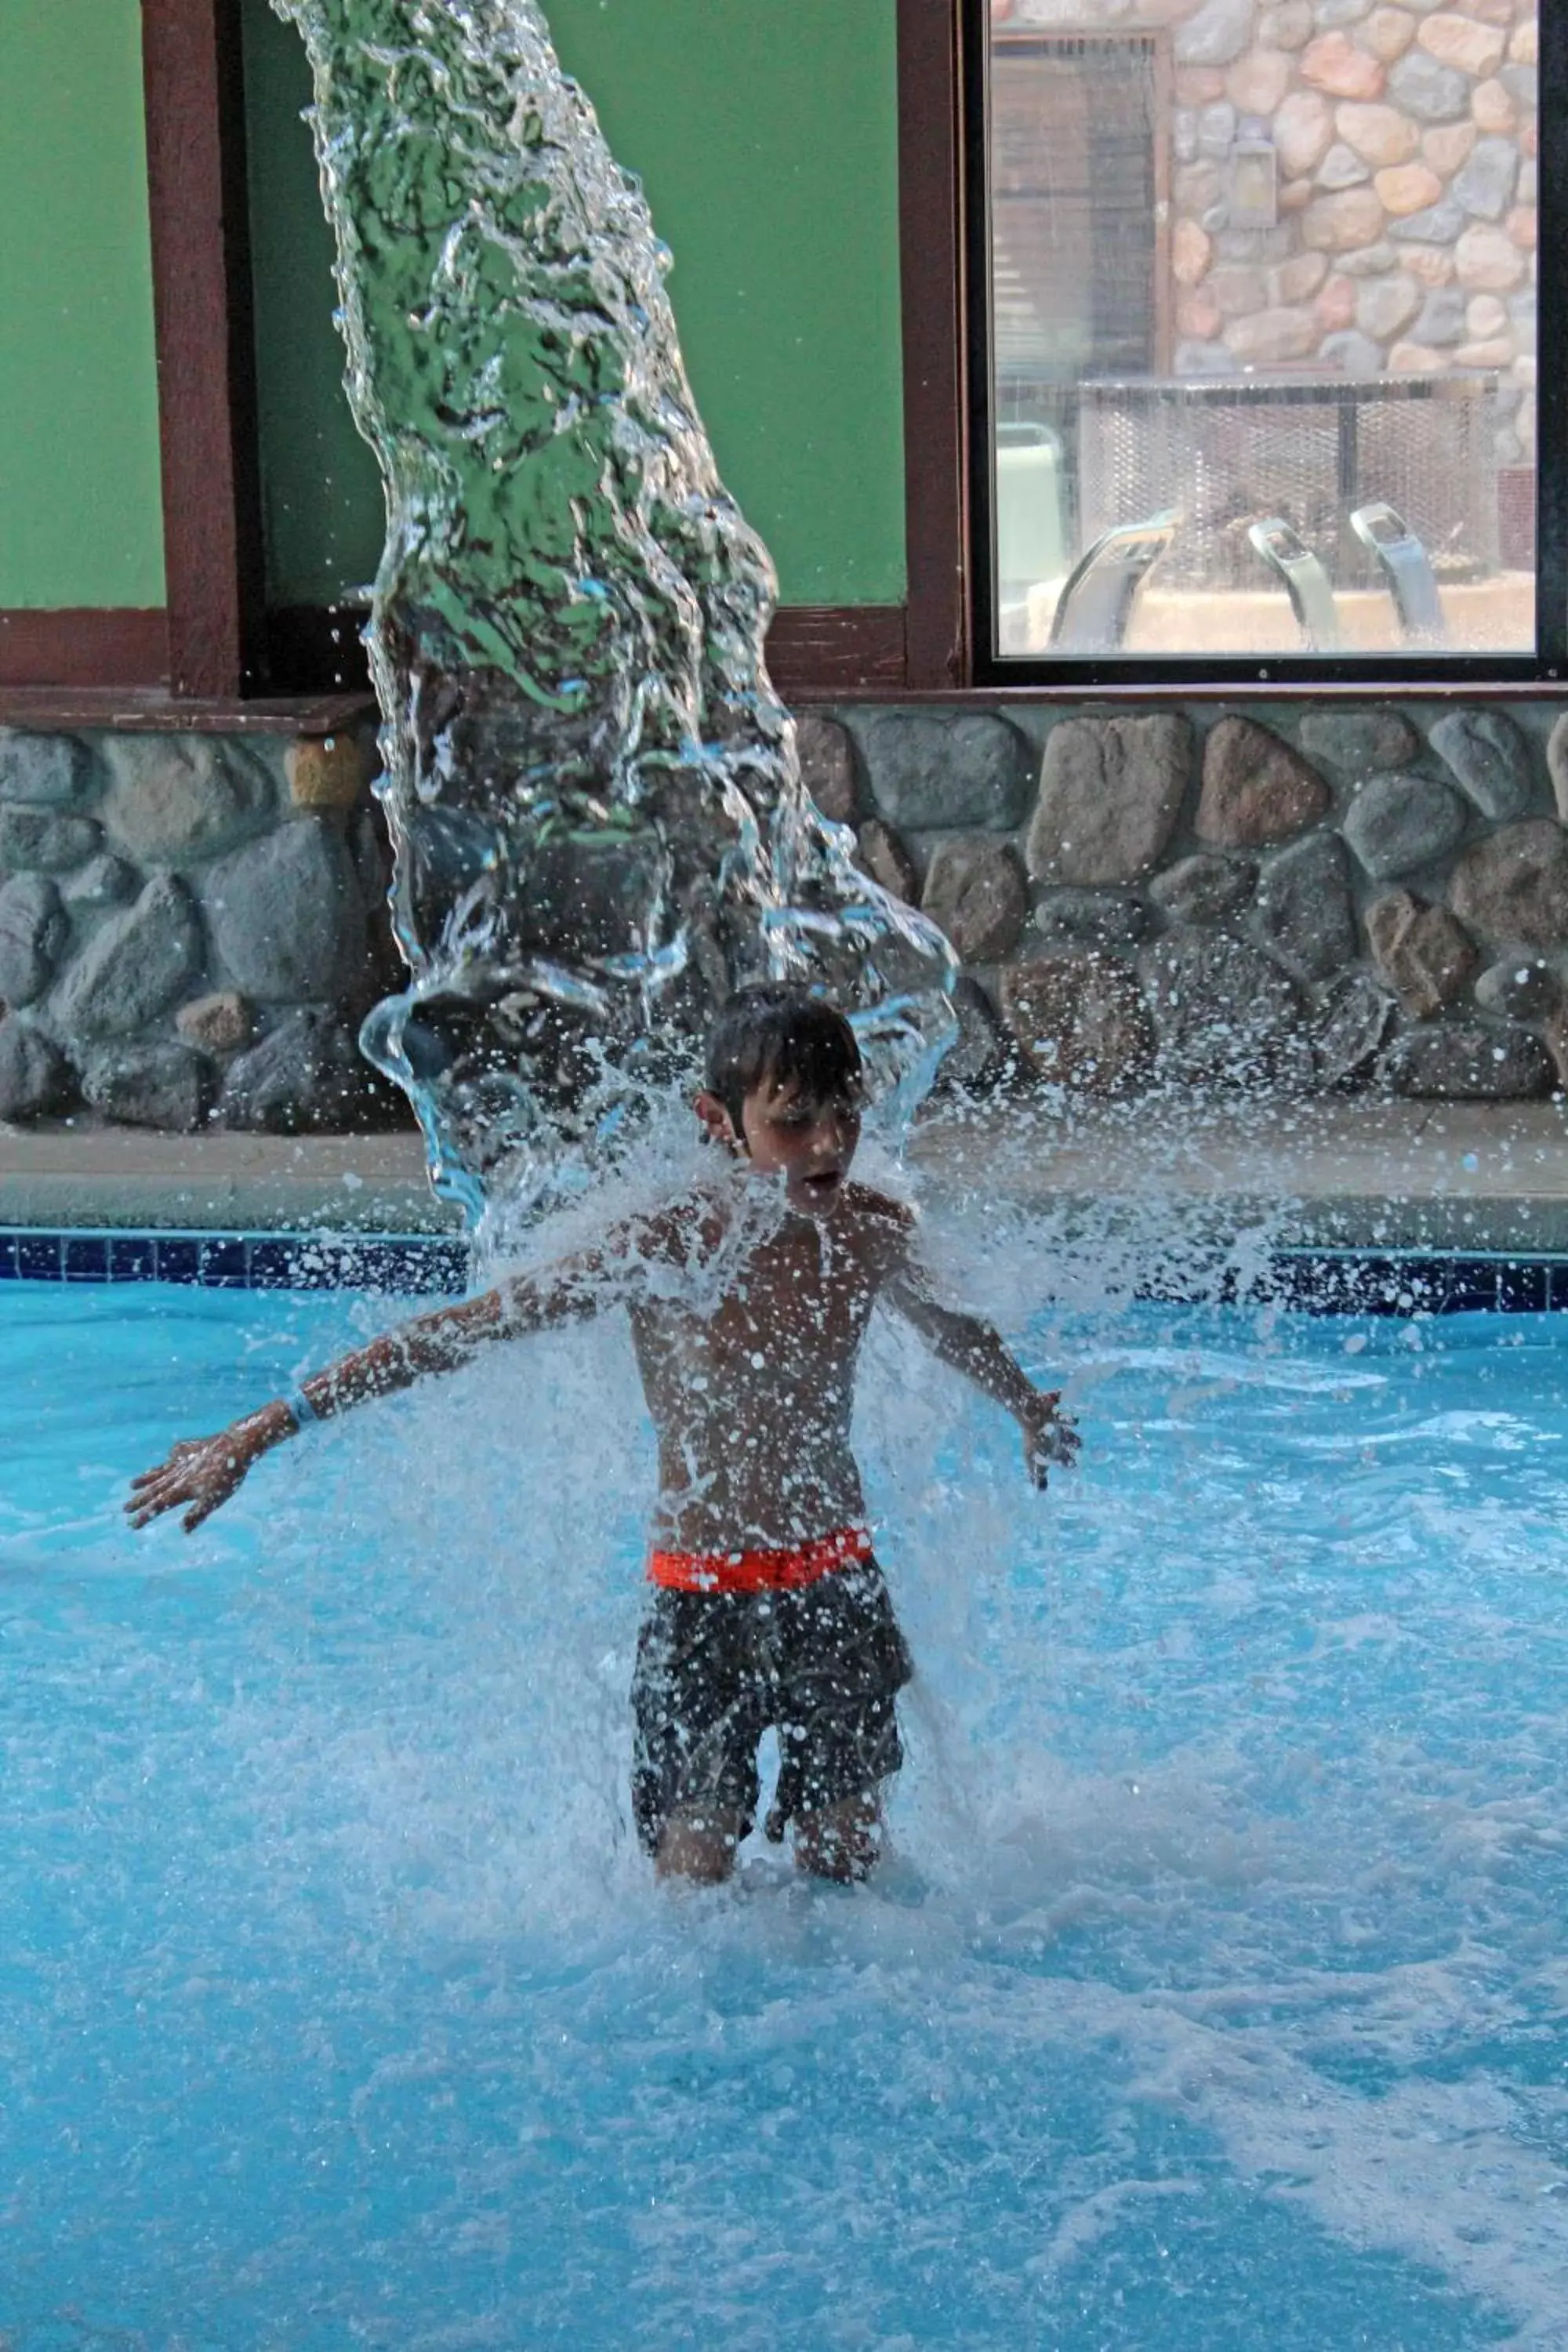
pixel 205 1471
pixel 1048 1435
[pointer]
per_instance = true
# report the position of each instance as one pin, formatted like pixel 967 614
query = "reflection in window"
pixel 1263 339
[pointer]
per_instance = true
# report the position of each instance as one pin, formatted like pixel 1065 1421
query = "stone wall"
pixel 1406 145
pixel 191 927
pixel 1295 900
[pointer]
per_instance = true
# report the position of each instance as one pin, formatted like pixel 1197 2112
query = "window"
pixel 1254 317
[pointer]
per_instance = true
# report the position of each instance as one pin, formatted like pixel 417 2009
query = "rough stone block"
pixel 325 771
pixel 1217 35
pixel 40 841
pixel 1520 988
pixel 1491 759
pixel 135 965
pixel 827 766
pixel 1513 886
pixel 1305 917
pixel 1204 888
pixel 1079 1021
pixel 886 860
pixel 1420 950
pixel 102 882
pixel 1397 824
pixel 176 799
pixel 1090 918
pixel 46 770
pixel 975 889
pixel 1485 182
pixel 1255 789
pixel 221 1023
pixel 975 1055
pixel 1225 1015
pixel 932 770
pixel 1468 1063
pixel 34 929
pixel 1110 791
pixel 303 1075
pixel 286 916
pixel 166 1086
pixel 1353 1023
pixel 1359 742
pixel 1557 764
pixel 1423 86
pixel 34 1077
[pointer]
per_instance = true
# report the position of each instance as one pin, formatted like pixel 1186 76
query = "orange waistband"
pixel 759 1571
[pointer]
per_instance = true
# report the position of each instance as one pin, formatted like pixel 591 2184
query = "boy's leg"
pixel 700 1843
pixel 842 1841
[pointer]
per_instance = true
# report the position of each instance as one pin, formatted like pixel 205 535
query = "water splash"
pixel 593 788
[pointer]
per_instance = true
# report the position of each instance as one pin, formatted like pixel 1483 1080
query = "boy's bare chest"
pixel 795 1302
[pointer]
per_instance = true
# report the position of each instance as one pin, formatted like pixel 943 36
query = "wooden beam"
pixel 207 372
pixel 931 221
pixel 83 647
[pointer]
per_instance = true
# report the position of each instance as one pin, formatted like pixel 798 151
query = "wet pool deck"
pixel 1348 1175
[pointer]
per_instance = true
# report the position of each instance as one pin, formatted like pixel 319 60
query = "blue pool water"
pixel 1215 1998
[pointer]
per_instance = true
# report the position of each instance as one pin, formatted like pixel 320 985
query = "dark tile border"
pixel 1380 1281
pixel 400 1263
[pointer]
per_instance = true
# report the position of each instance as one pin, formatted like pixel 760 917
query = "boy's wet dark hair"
pixel 780 1035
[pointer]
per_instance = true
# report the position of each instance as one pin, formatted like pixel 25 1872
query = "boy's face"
pixel 784 1132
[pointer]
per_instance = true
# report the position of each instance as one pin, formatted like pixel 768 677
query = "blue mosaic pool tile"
pixel 132 1257
pixel 1524 1288
pixel 178 1260
pixel 84 1257
pixel 225 1263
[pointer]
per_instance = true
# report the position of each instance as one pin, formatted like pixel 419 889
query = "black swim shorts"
pixel 823 1664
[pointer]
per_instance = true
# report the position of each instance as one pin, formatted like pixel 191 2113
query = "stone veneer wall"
pixel 1296 900
pixel 1405 138
pixel 190 928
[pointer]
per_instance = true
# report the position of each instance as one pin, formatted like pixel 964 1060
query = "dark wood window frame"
pixel 217 650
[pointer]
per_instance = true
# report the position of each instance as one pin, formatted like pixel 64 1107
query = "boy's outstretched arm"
pixel 971 1347
pixel 203 1472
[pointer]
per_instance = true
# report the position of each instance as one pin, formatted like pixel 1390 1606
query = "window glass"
pixel 1261 281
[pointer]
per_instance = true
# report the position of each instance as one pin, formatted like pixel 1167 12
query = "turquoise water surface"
pixel 1214 1995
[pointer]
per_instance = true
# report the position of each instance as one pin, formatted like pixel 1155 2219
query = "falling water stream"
pixel 596 802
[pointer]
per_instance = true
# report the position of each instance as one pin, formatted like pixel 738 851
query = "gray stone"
pixel 884 857
pixel 1305 917
pixel 286 916
pixel 1367 260
pixel 1439 224
pixel 1483 184
pixel 1341 167
pixel 1522 84
pixel 1217 35
pixel 1468 1063
pixel 1080 1022
pixel 1216 130
pixel 1204 888
pixel 1359 742
pixel 1090 918
pixel 1385 305
pixel 304 1074
pixel 103 882
pixel 827 766
pixel 1329 15
pixel 1351 354
pixel 974 1056
pixel 34 1077
pixel 1491 759
pixel 1110 791
pixel 34 929
pixel 1557 764
pixel 1226 1017
pixel 135 964
pixel 1420 951
pixel 1397 824
pixel 1432 92
pixel 933 770
pixel 1353 1023
pixel 977 890
pixel 220 1023
pixel 1521 987
pixel 1257 788
pixel 37 840
pixel 1442 318
pixel 150 1085
pixel 48 770
pixel 173 798
pixel 1513 886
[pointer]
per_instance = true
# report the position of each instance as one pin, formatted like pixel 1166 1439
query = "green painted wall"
pixel 765 131
pixel 81 518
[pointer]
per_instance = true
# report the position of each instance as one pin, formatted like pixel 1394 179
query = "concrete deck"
pixel 1345 1174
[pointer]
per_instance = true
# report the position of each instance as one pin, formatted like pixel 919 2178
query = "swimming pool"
pixel 1215 1993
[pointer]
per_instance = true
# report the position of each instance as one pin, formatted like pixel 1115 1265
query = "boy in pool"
pixel 749 1298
